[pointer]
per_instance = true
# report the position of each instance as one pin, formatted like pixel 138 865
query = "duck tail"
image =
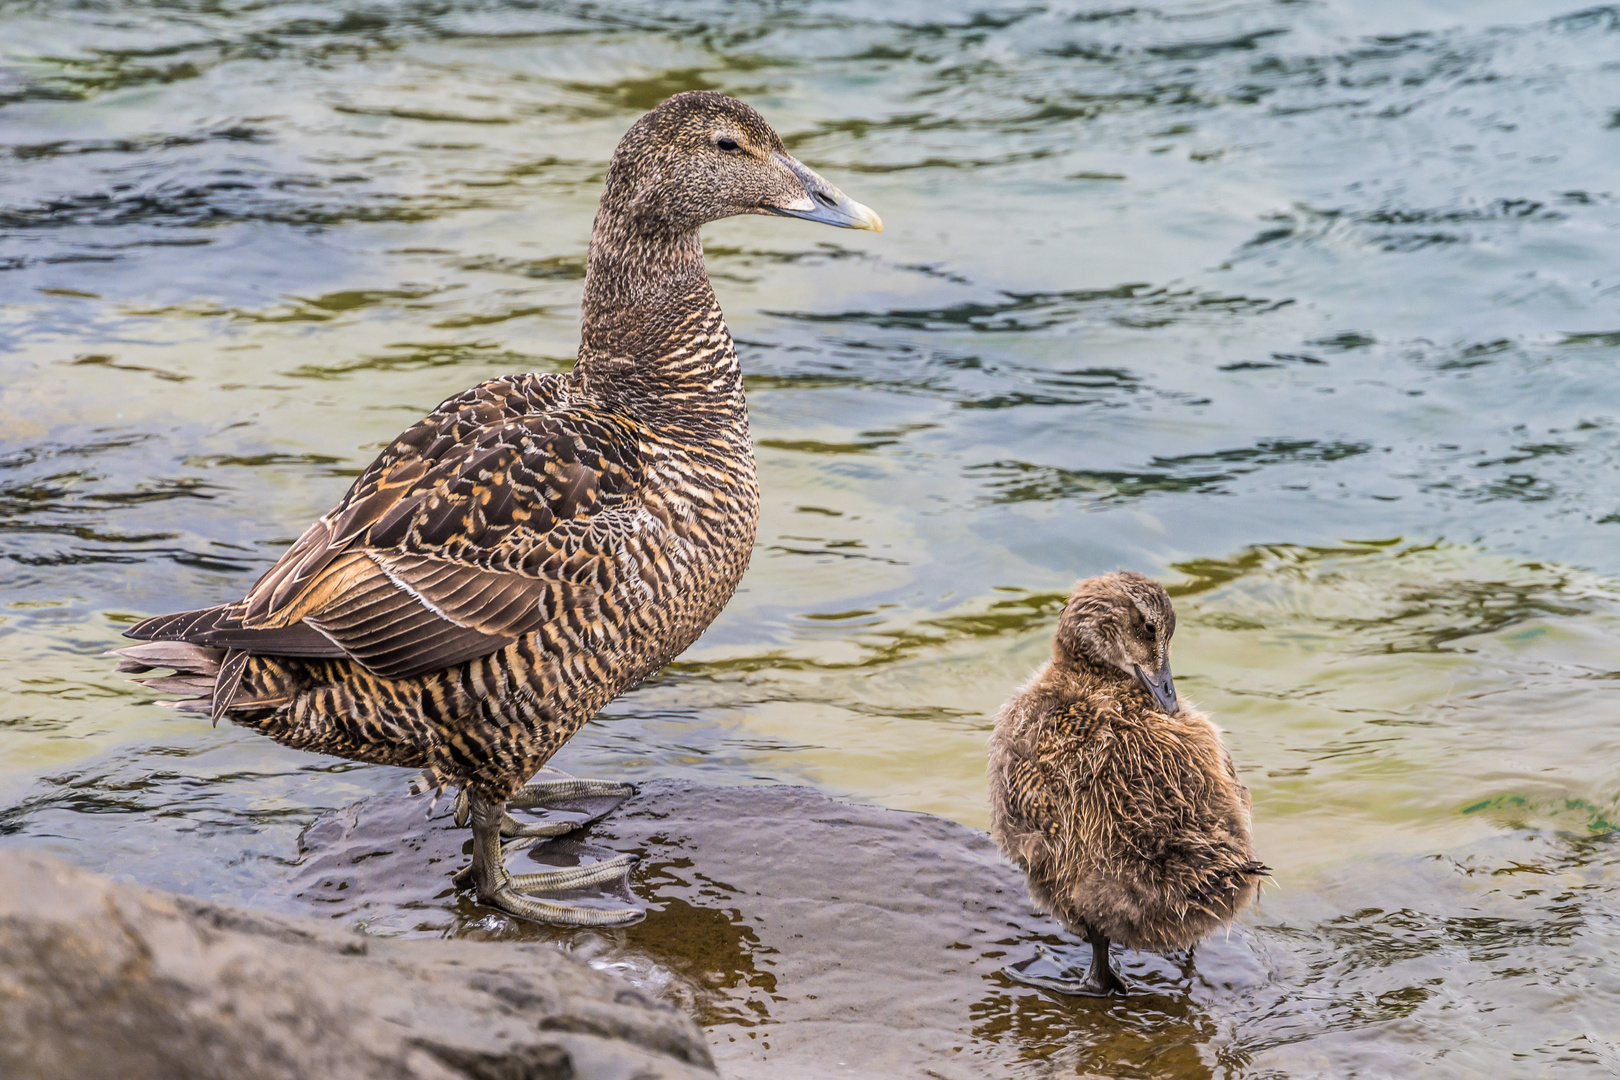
pixel 209 650
pixel 205 679
pixel 196 668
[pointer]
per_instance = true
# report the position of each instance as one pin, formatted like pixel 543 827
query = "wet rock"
pixel 100 979
pixel 810 937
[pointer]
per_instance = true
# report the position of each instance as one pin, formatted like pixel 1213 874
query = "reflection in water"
pixel 1197 290
pixel 1158 1032
pixel 711 948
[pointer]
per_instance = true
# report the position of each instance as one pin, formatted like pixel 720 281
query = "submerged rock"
pixel 100 979
pixel 811 937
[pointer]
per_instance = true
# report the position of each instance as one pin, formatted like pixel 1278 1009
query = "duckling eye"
pixel 726 144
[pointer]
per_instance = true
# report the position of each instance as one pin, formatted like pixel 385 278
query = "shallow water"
pixel 1310 308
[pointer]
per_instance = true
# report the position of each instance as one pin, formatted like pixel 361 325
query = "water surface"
pixel 1311 309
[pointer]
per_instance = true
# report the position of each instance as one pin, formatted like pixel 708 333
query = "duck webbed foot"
pixel 560 787
pixel 1049 970
pixel 513 893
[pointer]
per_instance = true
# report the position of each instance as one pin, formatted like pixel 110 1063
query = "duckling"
pixel 538 544
pixel 1113 795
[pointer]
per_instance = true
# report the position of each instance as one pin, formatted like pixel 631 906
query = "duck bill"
pixel 1161 686
pixel 824 203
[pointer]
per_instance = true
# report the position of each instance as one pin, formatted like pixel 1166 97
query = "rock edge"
pixel 100 979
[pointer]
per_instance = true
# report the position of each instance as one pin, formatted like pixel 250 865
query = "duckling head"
pixel 1121 622
pixel 703 156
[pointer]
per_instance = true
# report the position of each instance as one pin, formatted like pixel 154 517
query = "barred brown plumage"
pixel 1114 796
pixel 538 544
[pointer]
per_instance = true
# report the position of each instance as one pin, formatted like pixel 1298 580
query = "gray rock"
pixel 106 980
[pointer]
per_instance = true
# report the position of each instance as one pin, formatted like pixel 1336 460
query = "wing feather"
pixel 447 547
pixel 221 628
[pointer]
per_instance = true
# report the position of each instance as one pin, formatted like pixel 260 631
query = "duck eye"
pixel 1152 630
pixel 726 144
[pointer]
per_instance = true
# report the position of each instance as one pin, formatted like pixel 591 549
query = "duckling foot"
pixel 501 889
pixel 1101 980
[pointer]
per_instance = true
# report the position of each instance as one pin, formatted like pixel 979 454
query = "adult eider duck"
pixel 540 543
pixel 1113 795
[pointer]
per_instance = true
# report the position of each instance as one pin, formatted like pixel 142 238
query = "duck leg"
pixel 1100 980
pixel 501 889
pixel 544 793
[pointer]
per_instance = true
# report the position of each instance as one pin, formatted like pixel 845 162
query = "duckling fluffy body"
pixel 540 543
pixel 1117 798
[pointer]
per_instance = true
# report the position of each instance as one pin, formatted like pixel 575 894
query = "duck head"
pixel 1121 621
pixel 703 156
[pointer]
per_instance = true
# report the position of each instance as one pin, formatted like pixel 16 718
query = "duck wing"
pixel 501 510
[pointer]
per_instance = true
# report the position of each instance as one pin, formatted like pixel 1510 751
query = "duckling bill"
pixel 537 544
pixel 1114 796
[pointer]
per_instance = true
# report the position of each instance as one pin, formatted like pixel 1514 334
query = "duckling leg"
pixel 1102 977
pixel 1099 981
pixel 498 888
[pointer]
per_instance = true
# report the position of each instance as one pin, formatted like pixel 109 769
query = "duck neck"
pixel 650 314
